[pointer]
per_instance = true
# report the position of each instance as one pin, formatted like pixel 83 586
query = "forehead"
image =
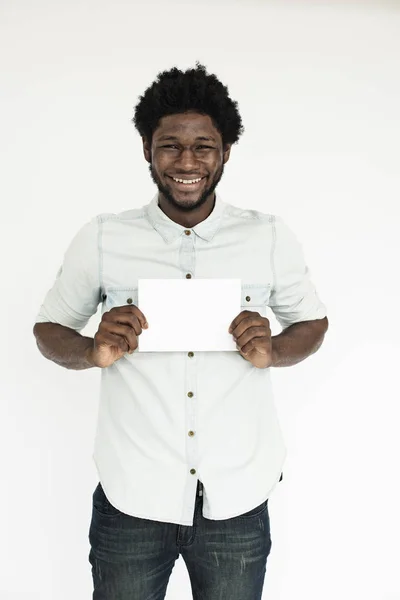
pixel 189 125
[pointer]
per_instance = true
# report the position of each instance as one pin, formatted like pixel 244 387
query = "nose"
pixel 187 160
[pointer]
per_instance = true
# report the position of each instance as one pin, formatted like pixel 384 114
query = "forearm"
pixel 298 342
pixel 64 346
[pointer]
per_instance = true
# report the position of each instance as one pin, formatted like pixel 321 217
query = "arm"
pixel 117 334
pixel 63 345
pixel 295 304
pixel 297 342
pixel 294 301
pixel 69 304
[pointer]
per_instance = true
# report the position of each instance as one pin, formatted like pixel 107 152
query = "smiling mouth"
pixel 188 187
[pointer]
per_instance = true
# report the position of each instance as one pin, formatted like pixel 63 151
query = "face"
pixel 186 146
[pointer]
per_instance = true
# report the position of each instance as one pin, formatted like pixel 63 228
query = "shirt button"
pixel 190 394
pixel 193 471
pixel 191 433
pixel 187 232
pixel 248 298
pixel 190 354
pixel 129 300
pixel 188 276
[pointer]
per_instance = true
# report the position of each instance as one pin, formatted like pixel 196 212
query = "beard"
pixel 186 205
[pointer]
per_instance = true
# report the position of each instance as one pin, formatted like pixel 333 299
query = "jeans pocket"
pixel 102 505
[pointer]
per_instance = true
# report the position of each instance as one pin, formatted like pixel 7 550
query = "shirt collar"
pixel 170 231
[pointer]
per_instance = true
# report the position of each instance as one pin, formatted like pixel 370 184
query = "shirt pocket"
pixel 121 296
pixel 255 297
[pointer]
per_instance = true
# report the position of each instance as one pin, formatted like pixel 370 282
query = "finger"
pixel 250 320
pixel 109 339
pixel 250 333
pixel 261 344
pixel 239 319
pixel 123 331
pixel 131 309
pixel 128 319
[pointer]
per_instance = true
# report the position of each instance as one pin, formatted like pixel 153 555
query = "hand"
pixel 117 334
pixel 252 334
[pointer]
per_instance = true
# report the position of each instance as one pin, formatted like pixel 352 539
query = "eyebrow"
pixel 199 137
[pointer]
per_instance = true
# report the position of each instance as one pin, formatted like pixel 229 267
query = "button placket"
pixel 191 410
pixel 187 264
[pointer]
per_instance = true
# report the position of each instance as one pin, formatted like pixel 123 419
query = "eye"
pixel 175 146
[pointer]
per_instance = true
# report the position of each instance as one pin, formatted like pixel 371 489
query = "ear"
pixel 146 149
pixel 227 152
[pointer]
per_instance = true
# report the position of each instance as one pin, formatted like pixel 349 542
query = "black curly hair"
pixel 176 92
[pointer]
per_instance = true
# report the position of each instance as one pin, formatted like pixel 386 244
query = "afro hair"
pixel 176 92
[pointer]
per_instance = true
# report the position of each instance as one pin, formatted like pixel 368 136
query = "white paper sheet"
pixel 188 314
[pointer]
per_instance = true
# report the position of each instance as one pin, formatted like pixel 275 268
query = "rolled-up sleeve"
pixel 75 294
pixel 293 295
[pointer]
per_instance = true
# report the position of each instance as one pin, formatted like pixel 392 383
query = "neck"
pixel 185 218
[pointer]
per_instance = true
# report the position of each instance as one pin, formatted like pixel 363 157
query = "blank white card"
pixel 188 314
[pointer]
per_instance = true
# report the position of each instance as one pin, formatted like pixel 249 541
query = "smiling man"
pixel 189 190
pixel 188 447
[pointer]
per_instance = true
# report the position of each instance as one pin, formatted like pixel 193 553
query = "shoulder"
pixel 265 223
pixel 250 215
pixel 273 226
pixel 121 217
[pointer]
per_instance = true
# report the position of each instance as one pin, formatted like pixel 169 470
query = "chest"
pixel 235 254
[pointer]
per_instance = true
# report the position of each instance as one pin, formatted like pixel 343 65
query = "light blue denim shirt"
pixel 147 462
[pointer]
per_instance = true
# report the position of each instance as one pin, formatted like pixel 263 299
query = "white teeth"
pixel 187 181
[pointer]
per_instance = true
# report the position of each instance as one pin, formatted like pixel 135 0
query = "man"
pixel 188 446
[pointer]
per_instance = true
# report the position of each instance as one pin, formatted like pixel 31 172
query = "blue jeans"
pixel 132 558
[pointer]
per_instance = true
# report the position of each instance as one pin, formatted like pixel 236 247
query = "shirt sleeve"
pixel 75 294
pixel 293 296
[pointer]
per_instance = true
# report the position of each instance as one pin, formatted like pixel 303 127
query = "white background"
pixel 319 93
